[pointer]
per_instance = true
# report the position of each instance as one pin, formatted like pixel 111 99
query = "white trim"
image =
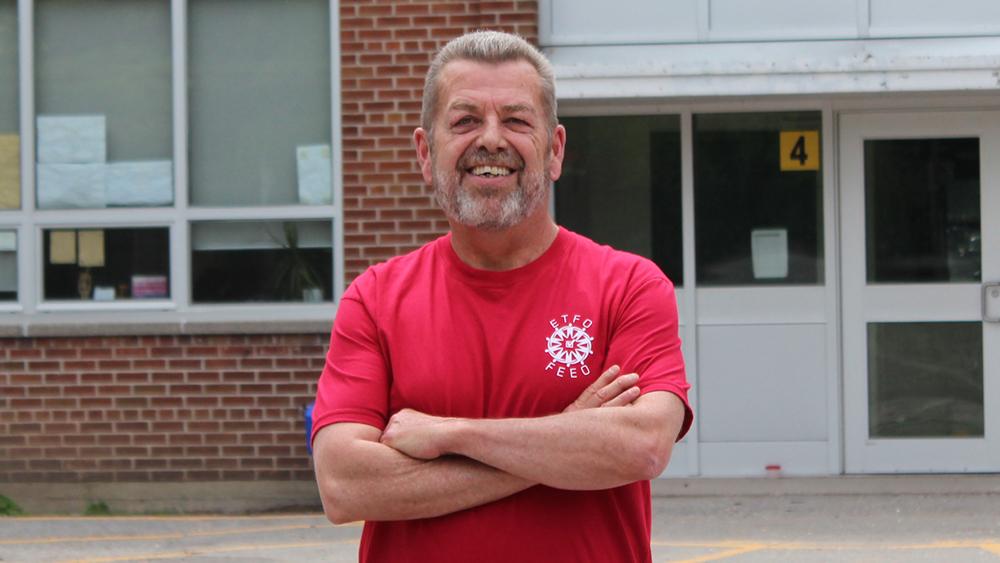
pixel 337 153
pixel 776 68
pixel 180 247
pixel 690 329
pixel 832 260
pixel 122 305
pixel 27 285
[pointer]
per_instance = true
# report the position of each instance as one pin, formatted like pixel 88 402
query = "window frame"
pixel 29 222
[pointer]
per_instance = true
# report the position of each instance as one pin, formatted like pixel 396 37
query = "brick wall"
pixel 156 408
pixel 385 50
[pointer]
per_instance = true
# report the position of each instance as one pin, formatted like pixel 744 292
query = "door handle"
pixel 991 292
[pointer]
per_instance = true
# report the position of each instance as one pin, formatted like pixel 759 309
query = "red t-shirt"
pixel 429 332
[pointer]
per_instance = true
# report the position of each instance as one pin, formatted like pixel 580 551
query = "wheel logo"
pixel 569 345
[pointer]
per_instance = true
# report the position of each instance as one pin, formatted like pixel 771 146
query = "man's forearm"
pixel 365 480
pixel 588 449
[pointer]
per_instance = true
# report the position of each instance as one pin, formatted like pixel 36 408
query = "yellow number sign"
pixel 799 150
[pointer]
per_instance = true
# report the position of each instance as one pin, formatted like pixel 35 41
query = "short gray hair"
pixel 492 47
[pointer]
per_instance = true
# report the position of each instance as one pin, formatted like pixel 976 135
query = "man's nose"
pixel 491 136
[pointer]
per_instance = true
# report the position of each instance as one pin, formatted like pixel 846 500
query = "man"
pixel 457 411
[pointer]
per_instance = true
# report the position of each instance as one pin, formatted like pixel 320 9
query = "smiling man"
pixel 506 392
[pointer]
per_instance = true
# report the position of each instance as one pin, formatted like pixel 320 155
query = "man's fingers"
pixel 589 399
pixel 616 387
pixel 624 398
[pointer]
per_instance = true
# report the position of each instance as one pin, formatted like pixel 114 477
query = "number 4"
pixel 799 151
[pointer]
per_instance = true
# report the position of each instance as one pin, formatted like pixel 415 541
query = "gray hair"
pixel 492 47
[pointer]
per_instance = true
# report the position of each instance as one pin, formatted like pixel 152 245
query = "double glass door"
pixel 920 228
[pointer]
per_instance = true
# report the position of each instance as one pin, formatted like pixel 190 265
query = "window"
pixel 758 199
pixel 107 264
pixel 103 103
pixel 261 261
pixel 260 102
pixel 170 180
pixel 621 185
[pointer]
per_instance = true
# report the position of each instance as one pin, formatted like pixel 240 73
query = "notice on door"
pixel 799 150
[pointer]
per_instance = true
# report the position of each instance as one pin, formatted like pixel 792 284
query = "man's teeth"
pixel 490 171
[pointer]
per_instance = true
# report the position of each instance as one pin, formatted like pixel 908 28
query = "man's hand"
pixel 413 433
pixel 609 390
pixel 417 434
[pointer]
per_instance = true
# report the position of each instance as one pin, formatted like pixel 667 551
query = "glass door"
pixel 920 213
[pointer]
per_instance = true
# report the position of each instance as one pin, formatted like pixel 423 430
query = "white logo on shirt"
pixel 570 346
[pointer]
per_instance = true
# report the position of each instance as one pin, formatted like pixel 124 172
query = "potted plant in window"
pixel 294 277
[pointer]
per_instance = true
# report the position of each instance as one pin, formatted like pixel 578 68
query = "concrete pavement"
pixel 950 519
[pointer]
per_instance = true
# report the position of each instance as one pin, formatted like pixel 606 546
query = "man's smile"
pixel 490 171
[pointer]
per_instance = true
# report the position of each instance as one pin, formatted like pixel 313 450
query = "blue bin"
pixel 309 426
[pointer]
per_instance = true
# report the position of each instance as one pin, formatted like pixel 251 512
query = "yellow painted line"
pixel 207 551
pixel 993 548
pixel 170 536
pixel 724 554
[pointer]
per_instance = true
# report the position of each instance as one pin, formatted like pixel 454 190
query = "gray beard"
pixel 488 210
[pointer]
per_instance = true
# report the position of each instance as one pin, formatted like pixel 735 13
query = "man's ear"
pixel 422 141
pixel 558 149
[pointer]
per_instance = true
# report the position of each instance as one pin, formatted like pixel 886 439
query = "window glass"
pixel 259 102
pixel 8 265
pixel 922 210
pixel 103 103
pixel 758 185
pixel 925 380
pixel 107 264
pixel 261 261
pixel 621 185
pixel 10 139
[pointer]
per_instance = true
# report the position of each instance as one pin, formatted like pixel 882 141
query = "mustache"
pixel 482 157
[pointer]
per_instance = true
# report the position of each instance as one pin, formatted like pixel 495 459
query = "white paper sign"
pixel 62 186
pixel 8 241
pixel 313 164
pixel 769 248
pixel 72 139
pixel 141 183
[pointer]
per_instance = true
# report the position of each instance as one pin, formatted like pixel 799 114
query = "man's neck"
pixel 507 249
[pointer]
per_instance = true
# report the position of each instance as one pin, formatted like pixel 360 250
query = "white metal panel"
pixel 682 462
pixel 762 305
pixel 762 383
pixel 782 19
pixel 750 459
pixel 597 22
pixel 901 18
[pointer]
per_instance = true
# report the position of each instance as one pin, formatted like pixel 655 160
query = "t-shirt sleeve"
pixel 354 384
pixel 645 341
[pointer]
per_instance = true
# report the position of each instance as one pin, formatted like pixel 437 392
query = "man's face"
pixel 491 159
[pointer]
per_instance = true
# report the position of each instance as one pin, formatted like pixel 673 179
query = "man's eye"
pixel 464 121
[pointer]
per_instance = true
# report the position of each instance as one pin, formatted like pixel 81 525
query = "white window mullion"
pixel 690 290
pixel 180 255
pixel 336 152
pixel 29 254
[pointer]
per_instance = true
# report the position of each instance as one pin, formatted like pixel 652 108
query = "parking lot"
pixel 732 528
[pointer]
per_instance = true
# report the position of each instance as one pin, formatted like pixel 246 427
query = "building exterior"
pixel 186 187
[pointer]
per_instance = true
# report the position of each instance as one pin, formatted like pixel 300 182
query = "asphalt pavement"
pixel 951 527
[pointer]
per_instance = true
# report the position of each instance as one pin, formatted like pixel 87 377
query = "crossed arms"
pixel 423 466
